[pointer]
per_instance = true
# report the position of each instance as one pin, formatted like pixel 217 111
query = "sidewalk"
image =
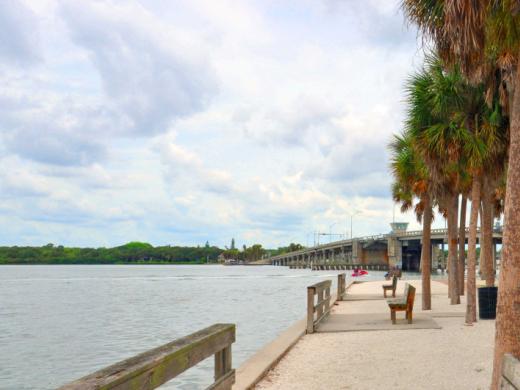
pixel 452 357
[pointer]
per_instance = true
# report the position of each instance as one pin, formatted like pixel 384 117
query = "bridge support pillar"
pixel 357 252
pixel 395 252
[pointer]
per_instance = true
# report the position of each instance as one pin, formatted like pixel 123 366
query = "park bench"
pixel 404 303
pixel 392 286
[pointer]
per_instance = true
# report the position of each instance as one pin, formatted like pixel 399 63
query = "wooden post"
pixel 341 286
pixel 222 362
pixel 319 311
pixel 327 299
pixel 310 309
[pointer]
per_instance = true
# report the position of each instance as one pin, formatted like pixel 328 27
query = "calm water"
pixel 58 323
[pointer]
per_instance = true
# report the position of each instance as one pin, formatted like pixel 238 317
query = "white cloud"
pixel 193 120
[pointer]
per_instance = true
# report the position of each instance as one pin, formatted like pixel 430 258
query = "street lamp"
pixel 308 238
pixel 330 231
pixel 356 212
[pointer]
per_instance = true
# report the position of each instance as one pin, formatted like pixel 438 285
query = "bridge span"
pixel 400 248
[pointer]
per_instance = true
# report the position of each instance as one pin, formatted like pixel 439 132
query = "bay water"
pixel 61 322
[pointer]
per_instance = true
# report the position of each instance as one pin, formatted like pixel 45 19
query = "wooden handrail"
pixel 157 366
pixel 322 306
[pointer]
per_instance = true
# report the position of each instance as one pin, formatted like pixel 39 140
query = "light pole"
pixel 308 238
pixel 330 231
pixel 356 212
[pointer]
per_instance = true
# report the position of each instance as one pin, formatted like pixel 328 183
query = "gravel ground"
pixel 454 357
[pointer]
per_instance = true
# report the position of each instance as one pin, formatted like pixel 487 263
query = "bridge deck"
pixel 363 356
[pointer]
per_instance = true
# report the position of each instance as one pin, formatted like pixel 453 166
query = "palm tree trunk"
pixel 508 309
pixel 471 301
pixel 462 244
pixel 486 247
pixel 426 260
pixel 453 217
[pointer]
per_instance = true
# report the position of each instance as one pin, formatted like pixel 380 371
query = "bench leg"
pixel 409 316
pixel 392 316
pixel 384 292
pixel 393 293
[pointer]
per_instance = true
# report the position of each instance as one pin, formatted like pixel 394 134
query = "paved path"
pixel 452 357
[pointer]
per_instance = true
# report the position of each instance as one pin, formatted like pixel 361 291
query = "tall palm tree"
pixel 411 180
pixel 479 35
pixel 495 136
pixel 435 122
pixel 462 243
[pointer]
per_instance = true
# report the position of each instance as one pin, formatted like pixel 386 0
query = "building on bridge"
pixel 399 248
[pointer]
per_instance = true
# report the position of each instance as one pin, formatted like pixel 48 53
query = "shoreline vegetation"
pixel 135 253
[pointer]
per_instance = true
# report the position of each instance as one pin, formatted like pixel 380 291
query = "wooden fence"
pixel 510 373
pixel 322 307
pixel 152 368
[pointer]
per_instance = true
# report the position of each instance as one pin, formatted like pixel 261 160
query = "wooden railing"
pixel 321 307
pixel 155 367
pixel 342 285
pixel 510 373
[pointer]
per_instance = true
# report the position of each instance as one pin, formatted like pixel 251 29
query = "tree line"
pixel 460 143
pixel 133 253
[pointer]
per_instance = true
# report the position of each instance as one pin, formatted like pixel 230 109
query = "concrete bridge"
pixel 400 248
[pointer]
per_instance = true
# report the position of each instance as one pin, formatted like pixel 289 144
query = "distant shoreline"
pixel 118 263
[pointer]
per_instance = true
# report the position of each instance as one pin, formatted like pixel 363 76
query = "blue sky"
pixel 177 122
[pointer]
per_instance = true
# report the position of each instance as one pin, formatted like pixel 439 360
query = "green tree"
pixel 411 180
pixel 483 37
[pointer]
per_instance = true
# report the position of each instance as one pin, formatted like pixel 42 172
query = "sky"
pixel 180 122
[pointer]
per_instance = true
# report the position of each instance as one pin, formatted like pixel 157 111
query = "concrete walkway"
pixel 445 355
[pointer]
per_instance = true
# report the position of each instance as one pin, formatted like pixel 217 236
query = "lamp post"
pixel 308 234
pixel 330 231
pixel 356 212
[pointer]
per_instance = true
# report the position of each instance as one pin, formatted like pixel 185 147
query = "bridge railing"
pixel 321 307
pixel 155 367
pixel 334 244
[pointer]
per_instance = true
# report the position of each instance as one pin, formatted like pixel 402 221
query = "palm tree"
pixel 411 180
pixel 462 243
pixel 486 149
pixel 480 35
pixel 435 121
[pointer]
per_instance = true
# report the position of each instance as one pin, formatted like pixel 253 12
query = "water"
pixel 59 323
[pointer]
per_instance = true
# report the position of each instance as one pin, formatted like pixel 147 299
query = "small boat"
pixel 360 272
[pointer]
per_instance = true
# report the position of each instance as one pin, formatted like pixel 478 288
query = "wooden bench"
pixel 404 303
pixel 392 286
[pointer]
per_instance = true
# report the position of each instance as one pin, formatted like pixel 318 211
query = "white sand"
pixel 454 357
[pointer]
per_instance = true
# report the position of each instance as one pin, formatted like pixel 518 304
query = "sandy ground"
pixel 454 357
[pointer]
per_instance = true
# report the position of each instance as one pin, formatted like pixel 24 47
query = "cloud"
pixel 20 41
pixel 44 127
pixel 182 122
pixel 184 169
pixel 149 74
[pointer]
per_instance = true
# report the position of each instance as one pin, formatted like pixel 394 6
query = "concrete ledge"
pixel 255 368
